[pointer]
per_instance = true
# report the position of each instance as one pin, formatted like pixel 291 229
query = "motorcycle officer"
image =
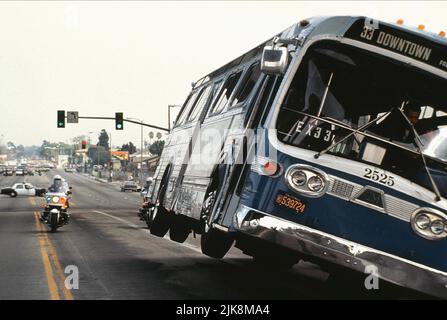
pixel 59 185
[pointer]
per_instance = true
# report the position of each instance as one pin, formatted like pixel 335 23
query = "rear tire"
pixel 160 222
pixel 179 230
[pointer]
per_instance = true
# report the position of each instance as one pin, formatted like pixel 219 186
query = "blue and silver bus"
pixel 327 142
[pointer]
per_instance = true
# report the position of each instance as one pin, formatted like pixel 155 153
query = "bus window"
pixel 201 101
pixel 224 95
pixel 250 80
pixel 186 108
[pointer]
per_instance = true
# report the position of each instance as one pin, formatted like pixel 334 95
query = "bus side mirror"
pixel 274 60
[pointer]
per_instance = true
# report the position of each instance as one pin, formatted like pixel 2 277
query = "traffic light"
pixel 61 118
pixel 83 144
pixel 119 121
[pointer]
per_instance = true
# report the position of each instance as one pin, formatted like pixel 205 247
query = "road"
pixel 117 258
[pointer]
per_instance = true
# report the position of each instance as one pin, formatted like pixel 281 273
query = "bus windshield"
pixel 340 88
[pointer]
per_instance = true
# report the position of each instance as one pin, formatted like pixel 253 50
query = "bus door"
pixel 258 109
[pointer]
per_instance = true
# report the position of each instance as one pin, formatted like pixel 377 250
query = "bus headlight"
pixel 315 184
pixel 429 223
pixel 437 227
pixel 307 180
pixel 299 178
pixel 422 221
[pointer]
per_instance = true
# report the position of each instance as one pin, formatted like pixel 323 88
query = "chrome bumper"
pixel 336 250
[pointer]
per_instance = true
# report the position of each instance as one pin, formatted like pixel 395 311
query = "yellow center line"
pixel 52 250
pixel 68 295
pixel 54 294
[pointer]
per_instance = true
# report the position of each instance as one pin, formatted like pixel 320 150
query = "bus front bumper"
pixel 339 251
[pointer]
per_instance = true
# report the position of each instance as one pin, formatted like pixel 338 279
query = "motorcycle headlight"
pixel 429 223
pixel 55 199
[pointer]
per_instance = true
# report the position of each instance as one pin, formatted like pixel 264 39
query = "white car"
pixel 23 189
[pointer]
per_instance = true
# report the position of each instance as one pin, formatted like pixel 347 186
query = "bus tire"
pixel 179 230
pixel 215 243
pixel 160 218
pixel 160 222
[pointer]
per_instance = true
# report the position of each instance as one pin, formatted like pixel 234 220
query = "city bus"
pixel 325 143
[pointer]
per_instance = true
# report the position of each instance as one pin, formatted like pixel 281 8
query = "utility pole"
pixel 110 163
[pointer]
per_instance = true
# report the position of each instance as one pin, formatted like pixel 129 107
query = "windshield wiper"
pixel 418 142
pixel 358 130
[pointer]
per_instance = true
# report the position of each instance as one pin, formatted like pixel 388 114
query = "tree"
pixel 130 147
pixel 20 151
pixel 103 139
pixel 10 145
pixel 98 155
pixel 157 147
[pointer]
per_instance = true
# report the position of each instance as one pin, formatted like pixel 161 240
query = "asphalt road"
pixel 117 258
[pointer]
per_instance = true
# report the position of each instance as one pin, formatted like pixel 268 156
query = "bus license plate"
pixel 290 202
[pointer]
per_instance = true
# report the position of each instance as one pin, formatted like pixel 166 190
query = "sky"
pixel 102 57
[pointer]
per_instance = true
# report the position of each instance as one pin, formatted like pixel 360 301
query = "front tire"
pixel 54 222
pixel 13 194
pixel 215 243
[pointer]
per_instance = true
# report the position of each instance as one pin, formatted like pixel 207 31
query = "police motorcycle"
pixel 55 211
pixel 146 210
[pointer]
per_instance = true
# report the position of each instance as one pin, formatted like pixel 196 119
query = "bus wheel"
pixel 215 243
pixel 160 223
pixel 179 230
pixel 161 217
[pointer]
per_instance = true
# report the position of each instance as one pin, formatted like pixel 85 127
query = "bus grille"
pixel 342 189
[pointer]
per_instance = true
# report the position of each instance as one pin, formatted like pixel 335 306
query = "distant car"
pixel 8 172
pixel 130 186
pixel 23 189
pixel 20 172
pixel 70 170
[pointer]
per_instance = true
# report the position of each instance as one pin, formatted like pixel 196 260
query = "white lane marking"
pixel 130 224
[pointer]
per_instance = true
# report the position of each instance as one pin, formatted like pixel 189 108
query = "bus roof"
pixel 392 36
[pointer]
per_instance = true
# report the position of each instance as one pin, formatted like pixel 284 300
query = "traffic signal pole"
pixel 126 120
